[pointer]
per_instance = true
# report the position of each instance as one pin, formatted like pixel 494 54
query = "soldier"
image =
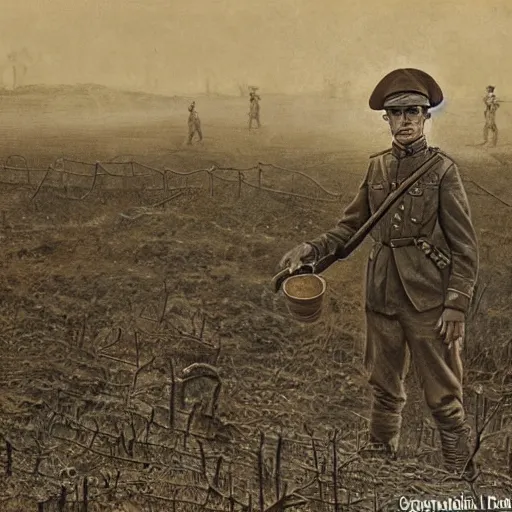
pixel 194 123
pixel 414 305
pixel 491 105
pixel 254 108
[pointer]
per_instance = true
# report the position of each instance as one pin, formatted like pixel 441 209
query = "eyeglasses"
pixel 409 112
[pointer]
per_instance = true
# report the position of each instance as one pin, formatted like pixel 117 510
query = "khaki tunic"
pixel 435 208
pixel 254 107
pixel 491 106
pixel 194 123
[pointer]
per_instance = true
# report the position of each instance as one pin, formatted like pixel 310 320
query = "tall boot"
pixel 378 449
pixel 384 433
pixel 457 452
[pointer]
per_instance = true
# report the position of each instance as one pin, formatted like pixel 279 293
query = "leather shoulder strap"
pixel 365 229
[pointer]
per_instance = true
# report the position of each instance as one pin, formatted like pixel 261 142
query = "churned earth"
pixel 188 281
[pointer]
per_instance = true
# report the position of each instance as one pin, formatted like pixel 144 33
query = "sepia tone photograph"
pixel 255 255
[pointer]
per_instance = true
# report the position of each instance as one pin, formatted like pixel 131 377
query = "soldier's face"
pixel 406 123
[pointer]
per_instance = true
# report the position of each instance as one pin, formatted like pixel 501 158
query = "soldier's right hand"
pixel 299 255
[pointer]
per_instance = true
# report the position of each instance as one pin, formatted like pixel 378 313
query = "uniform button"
pixel 397 217
pixel 396 226
pixel 401 207
pixel 392 244
pixel 414 219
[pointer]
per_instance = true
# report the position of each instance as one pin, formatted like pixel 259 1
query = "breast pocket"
pixel 424 202
pixel 377 193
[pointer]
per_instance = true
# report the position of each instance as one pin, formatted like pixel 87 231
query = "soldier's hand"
pixel 297 257
pixel 451 326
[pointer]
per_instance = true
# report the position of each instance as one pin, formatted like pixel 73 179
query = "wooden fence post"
pixel 335 470
pixel 278 466
pixel 260 473
pixel 210 181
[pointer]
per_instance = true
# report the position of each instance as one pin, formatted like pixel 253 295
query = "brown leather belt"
pixel 400 242
pixel 440 259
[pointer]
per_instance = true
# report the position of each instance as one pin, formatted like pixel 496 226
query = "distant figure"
pixel 491 105
pixel 254 108
pixel 194 123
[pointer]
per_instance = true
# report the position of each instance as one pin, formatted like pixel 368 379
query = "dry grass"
pixel 189 283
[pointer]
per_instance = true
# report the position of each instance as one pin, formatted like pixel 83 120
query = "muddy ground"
pixel 188 282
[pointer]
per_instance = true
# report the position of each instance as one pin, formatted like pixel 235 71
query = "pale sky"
pixel 280 45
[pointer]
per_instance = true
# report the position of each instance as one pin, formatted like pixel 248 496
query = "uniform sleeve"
pixel 354 216
pixel 456 223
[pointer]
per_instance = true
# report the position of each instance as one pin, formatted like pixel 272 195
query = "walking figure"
pixel 491 105
pixel 421 272
pixel 194 123
pixel 254 108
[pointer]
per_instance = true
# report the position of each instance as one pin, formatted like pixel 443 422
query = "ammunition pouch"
pixel 438 257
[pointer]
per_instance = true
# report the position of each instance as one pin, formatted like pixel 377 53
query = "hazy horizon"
pixel 287 46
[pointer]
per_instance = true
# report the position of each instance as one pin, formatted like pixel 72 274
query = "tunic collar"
pixel 413 149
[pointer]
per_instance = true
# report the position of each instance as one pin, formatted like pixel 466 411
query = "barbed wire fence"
pixel 75 176
pixel 79 179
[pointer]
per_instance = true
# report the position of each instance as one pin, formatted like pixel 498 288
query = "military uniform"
pixel 254 109
pixel 491 106
pixel 406 292
pixel 194 124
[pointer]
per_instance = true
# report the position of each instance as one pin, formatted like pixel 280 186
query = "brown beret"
pixel 406 80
